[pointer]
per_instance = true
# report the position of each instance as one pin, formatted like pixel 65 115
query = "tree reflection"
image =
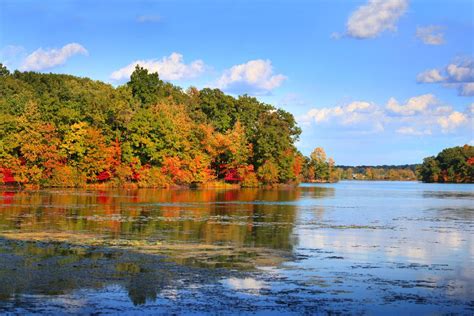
pixel 238 219
pixel 247 217
pixel 32 268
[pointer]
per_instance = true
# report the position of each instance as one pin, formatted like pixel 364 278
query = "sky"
pixel 372 82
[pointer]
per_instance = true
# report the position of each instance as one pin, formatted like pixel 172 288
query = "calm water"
pixel 351 247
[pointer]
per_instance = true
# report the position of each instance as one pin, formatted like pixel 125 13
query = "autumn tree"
pixel 319 164
pixel 454 164
pixel 62 130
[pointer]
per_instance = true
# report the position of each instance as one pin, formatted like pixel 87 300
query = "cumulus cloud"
pixel 47 58
pixel 452 121
pixel 426 110
pixel 170 67
pixel 430 76
pixel 466 89
pixel 354 113
pixel 418 116
pixel 347 114
pixel 371 19
pixel 253 77
pixel 414 105
pixel 430 35
pixel 459 74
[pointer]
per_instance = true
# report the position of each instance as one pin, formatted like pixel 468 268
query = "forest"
pixel 454 164
pixel 59 130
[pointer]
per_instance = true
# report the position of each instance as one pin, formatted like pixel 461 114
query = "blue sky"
pixel 373 82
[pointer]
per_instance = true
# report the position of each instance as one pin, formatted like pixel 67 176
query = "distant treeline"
pixel 383 172
pixel 454 164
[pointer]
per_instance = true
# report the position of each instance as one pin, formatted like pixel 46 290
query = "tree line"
pixel 66 131
pixel 454 164
pixel 62 130
pixel 451 165
pixel 384 172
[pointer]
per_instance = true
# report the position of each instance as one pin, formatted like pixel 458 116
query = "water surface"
pixel 351 247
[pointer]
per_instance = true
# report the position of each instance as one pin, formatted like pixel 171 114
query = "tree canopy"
pixel 454 164
pixel 62 130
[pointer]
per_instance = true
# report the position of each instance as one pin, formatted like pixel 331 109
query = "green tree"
pixel 145 85
pixel 320 164
pixel 454 164
pixel 4 71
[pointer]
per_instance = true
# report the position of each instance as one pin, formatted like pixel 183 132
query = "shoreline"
pixel 214 185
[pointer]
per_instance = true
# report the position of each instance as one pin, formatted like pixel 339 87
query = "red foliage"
pixel 136 168
pixel 135 176
pixel 232 175
pixel 7 176
pixel 470 161
pixel 104 176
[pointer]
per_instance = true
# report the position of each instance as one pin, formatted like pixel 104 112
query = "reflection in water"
pixel 52 269
pixel 351 247
pixel 245 284
pixel 237 217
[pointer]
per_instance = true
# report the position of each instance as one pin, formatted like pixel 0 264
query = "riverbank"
pixel 136 186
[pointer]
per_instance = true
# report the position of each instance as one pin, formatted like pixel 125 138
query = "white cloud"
pixel 466 89
pixel 354 113
pixel 430 76
pixel 470 109
pixel 347 114
pixel 170 67
pixel 43 59
pixel 371 19
pixel 459 74
pixel 413 106
pixel 418 116
pixel 253 77
pixel 452 121
pixel 425 112
pixel 431 34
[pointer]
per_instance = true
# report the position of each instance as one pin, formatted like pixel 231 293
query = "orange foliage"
pixel 297 166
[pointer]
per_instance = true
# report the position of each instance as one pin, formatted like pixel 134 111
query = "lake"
pixel 351 247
